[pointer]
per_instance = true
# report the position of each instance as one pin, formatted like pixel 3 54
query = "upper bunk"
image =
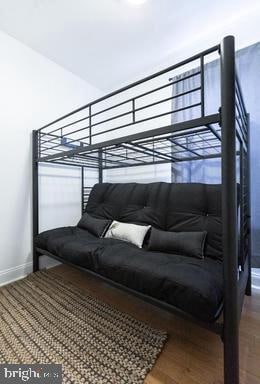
pixel 173 115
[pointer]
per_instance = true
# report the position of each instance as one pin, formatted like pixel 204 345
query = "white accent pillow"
pixel 131 233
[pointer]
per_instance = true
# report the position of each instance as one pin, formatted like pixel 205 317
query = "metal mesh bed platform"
pixel 195 143
pixel 166 118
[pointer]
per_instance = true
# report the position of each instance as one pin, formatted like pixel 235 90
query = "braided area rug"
pixel 44 319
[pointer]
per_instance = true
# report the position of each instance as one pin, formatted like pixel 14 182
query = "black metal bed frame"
pixel 82 141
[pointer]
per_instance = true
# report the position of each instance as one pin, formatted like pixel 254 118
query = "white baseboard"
pixel 15 273
pixel 11 274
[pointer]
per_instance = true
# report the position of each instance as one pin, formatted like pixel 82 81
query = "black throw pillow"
pixel 97 227
pixel 182 243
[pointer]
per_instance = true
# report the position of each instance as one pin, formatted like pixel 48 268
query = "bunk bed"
pixel 120 130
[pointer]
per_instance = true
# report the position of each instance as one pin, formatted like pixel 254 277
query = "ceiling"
pixel 108 42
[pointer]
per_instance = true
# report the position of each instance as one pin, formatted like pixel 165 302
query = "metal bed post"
pixel 35 198
pixel 229 213
pixel 248 186
pixel 242 182
pixel 100 166
pixel 82 190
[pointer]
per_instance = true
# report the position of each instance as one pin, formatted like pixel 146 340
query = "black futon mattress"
pixel 190 284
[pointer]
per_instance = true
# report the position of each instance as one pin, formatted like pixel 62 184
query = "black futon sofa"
pixel 192 285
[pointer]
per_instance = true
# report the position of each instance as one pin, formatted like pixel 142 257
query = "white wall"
pixel 33 91
pixel 140 174
pixel 244 25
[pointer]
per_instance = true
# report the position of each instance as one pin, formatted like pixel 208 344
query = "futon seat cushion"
pixel 49 240
pixel 192 285
pixel 73 244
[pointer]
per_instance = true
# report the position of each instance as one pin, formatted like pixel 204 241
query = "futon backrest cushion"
pixel 173 207
pixel 97 227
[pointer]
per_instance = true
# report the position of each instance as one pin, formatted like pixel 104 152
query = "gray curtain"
pixel 209 171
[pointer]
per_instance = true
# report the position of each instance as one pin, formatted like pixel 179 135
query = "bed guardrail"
pixel 133 109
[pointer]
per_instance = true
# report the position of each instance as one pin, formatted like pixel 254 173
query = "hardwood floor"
pixel 191 355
